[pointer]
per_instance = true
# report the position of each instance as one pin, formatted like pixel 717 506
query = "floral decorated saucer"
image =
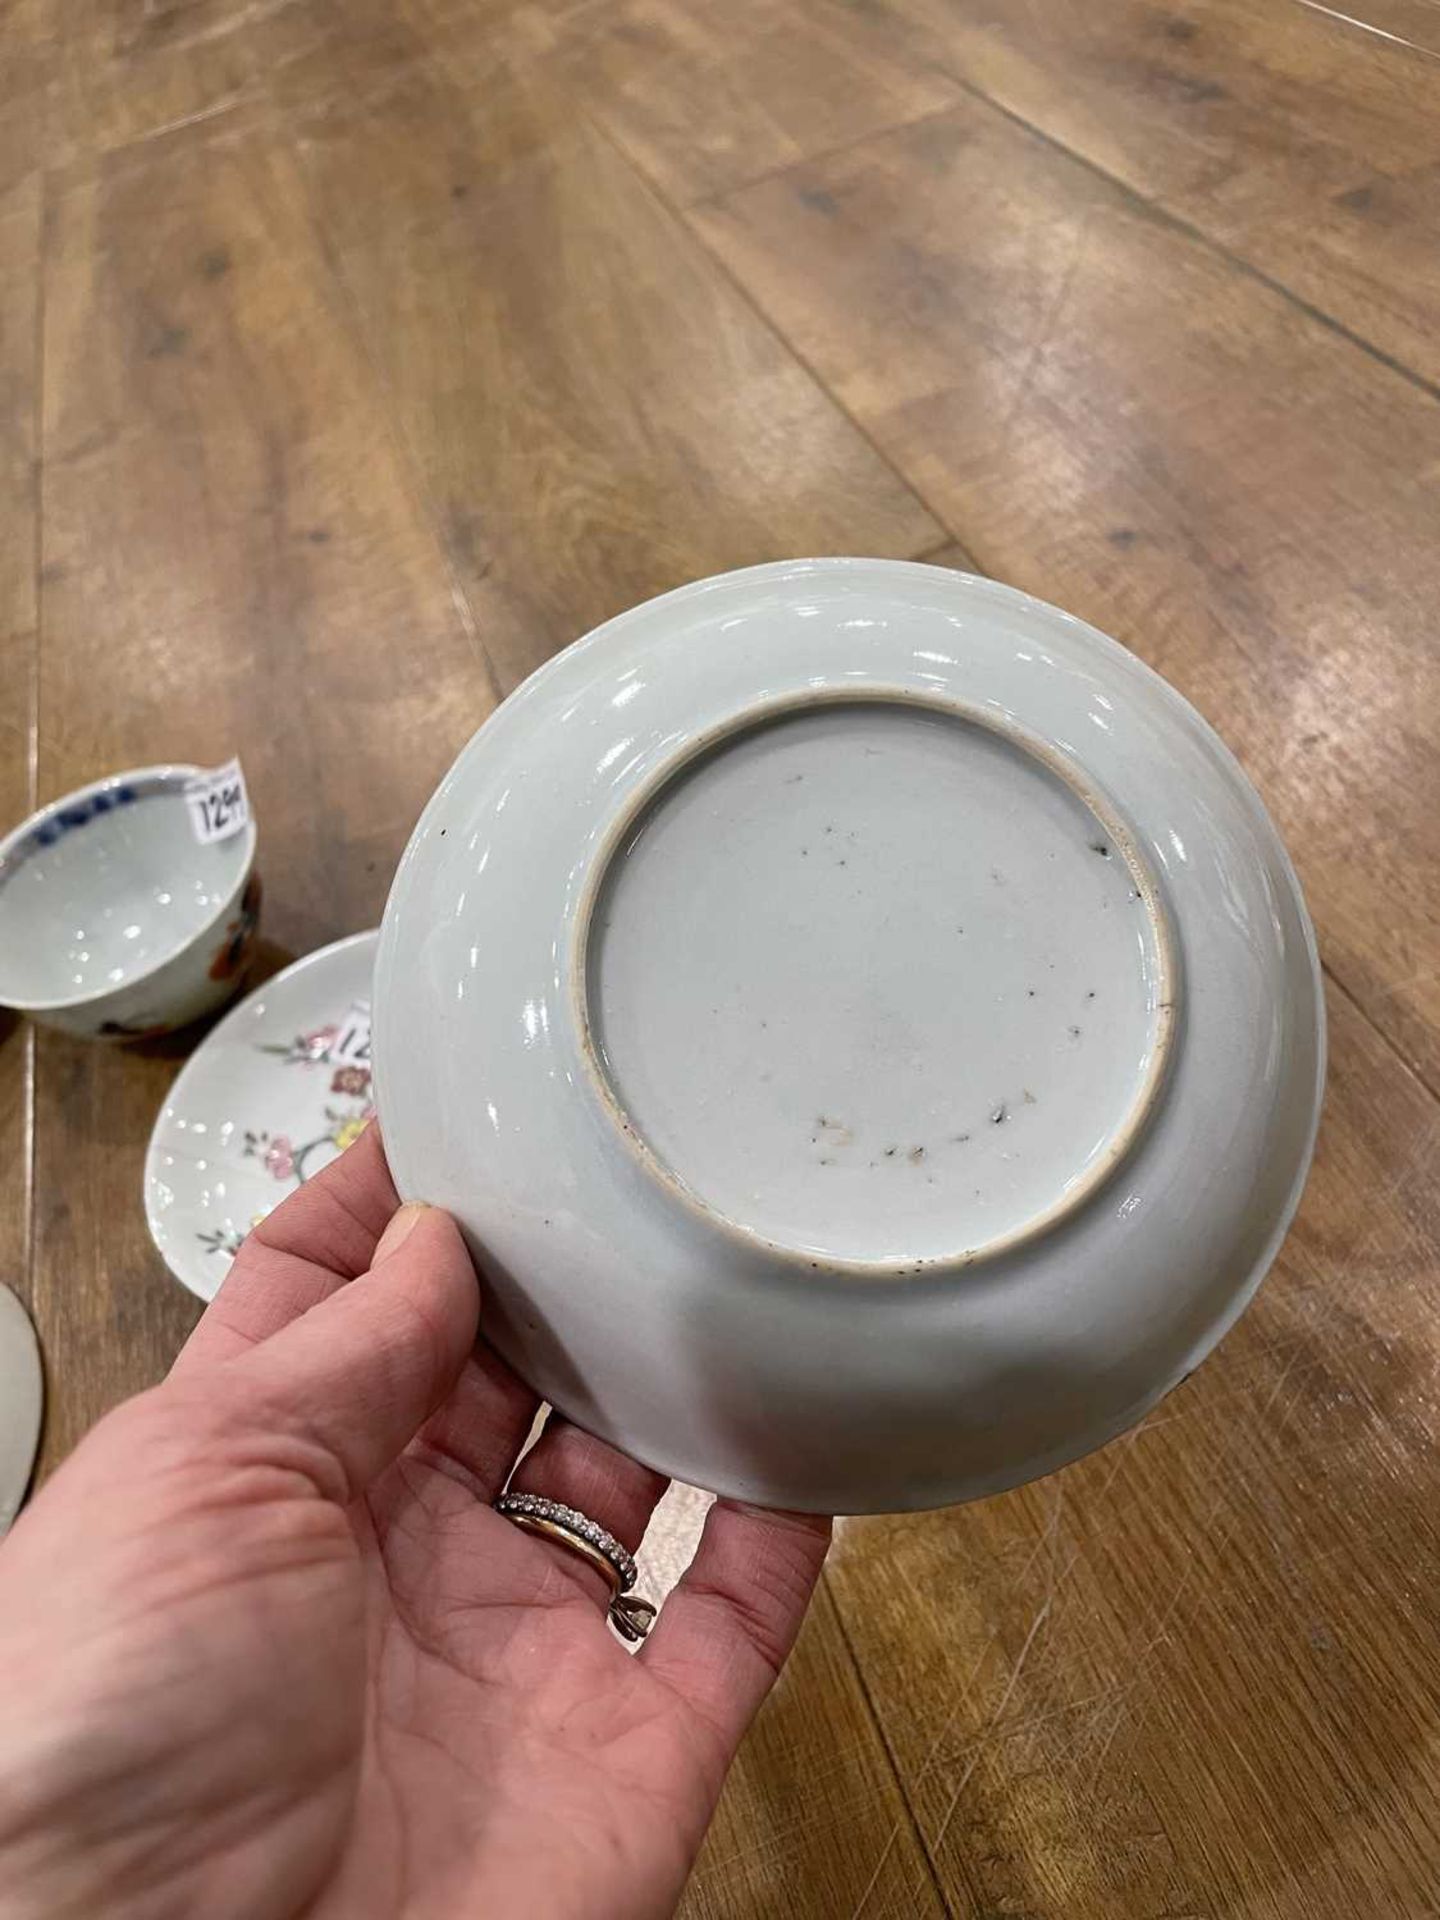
pixel 277 1090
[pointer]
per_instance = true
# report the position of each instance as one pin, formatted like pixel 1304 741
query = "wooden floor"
pixel 355 354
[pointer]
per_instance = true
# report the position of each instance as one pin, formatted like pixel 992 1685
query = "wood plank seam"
pixel 803 361
pixel 892 1759
pixel 1406 1066
pixel 949 546
pixel 37 490
pixel 787 346
pixel 28 1236
pixel 1177 223
pixel 1195 240
pixel 405 454
pixel 834 151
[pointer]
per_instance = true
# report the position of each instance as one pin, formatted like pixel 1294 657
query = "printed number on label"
pixel 219 805
pixel 351 1046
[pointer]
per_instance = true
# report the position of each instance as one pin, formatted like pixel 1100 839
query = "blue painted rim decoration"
pixel 67 816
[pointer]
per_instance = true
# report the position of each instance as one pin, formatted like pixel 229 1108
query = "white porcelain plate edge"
pixel 22 1403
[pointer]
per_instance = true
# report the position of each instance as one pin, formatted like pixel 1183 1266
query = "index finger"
pixel 324 1234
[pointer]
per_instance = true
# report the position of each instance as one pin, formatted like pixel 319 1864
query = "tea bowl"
pixel 116 923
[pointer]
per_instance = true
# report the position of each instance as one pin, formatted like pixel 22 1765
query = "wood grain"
pixel 20 215
pixel 122 71
pixel 20 212
pixel 1109 414
pixel 812 1819
pixel 227 521
pixel 234 560
pixel 1278 129
pixel 370 351
pixel 1152 1683
pixel 24 76
pixel 597 414
pixel 80 76
pixel 706 98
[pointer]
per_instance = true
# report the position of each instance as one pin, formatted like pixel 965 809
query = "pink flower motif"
pixel 280 1158
pixel 316 1045
pixel 352 1080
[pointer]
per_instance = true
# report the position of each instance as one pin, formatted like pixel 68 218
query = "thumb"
pixel 355 1377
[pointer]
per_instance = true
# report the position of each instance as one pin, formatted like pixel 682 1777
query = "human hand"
pixel 268 1649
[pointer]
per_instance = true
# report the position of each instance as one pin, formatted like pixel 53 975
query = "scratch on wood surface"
pixel 1111 1705
pixel 1121 1450
pixel 1094 1702
pixel 933 1843
pixel 874 1880
pixel 1041 1616
pixel 1049 320
pixel 1142 1663
pixel 1161 1420
pixel 1291 1363
pixel 1386 1220
pixel 1046 1542
pixel 858 1791
pixel 1052 1534
pixel 215 111
pixel 777 1838
pixel 1367 26
pixel 233 23
pixel 1421 978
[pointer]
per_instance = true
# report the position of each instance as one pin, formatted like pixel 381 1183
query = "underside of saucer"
pixel 920 1004
pixel 866 1026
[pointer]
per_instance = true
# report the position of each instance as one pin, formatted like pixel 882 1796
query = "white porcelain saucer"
pixel 261 1106
pixel 22 1403
pixel 866 1026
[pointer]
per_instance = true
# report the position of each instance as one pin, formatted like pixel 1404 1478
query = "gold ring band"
pixel 630 1616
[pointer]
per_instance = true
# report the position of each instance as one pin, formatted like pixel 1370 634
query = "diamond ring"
pixel 569 1528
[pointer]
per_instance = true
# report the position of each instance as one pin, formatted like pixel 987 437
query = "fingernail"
pixel 401 1226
